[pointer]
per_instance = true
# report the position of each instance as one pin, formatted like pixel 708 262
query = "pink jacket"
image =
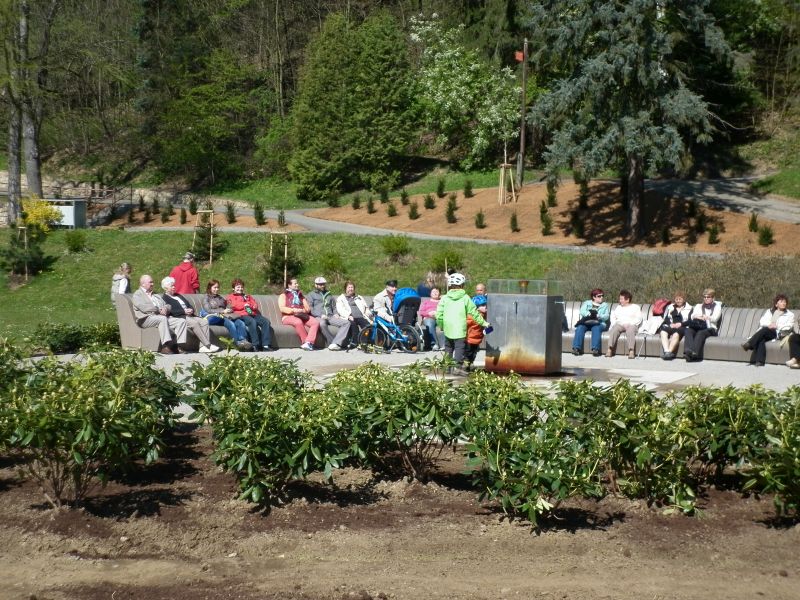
pixel 428 309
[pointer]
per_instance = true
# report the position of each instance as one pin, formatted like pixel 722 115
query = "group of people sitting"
pixel 339 318
pixel 692 323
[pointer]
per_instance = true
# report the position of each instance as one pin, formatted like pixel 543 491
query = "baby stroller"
pixel 401 335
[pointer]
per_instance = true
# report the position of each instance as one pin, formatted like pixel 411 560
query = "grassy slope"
pixel 278 194
pixel 783 153
pixel 76 290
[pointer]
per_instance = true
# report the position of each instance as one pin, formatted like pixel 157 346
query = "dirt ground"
pixel 603 221
pixel 219 222
pixel 175 531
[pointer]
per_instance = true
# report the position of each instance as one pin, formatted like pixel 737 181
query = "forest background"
pixel 339 95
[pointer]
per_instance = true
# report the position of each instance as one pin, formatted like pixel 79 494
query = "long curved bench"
pixel 736 325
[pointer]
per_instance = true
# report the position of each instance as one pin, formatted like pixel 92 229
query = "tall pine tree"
pixel 622 99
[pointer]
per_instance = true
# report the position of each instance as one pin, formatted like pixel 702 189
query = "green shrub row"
pixel 72 424
pixel 528 448
pixel 61 338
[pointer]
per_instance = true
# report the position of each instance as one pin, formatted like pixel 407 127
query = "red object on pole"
pixel 519 55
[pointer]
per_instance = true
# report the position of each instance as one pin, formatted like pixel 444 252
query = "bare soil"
pixel 175 531
pixel 603 220
pixel 220 222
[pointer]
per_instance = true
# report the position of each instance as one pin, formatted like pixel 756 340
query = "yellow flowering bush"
pixel 41 213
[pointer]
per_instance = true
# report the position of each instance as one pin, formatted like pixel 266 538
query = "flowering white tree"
pixel 471 104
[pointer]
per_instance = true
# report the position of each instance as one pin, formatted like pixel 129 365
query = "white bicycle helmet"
pixel 456 279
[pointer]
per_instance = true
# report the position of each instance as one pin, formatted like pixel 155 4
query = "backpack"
pixel 659 306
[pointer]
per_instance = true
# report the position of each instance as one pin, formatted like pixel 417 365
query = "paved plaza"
pixel 656 374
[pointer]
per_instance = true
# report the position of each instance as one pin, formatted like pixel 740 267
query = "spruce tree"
pixel 621 96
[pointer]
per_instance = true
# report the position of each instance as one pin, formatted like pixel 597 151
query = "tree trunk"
pixel 635 192
pixel 30 144
pixel 14 170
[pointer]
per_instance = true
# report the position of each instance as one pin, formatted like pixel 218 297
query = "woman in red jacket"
pixel 258 326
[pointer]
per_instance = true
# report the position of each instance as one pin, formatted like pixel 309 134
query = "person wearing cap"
pixel 383 301
pixel 297 313
pixel 451 316
pixel 187 281
pixel 323 307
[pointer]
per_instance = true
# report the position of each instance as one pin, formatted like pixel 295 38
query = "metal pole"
pixel 521 156
pixel 285 259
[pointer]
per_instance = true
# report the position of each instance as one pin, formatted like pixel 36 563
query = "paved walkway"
pixel 655 373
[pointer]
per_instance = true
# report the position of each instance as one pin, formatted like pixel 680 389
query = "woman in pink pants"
pixel 297 313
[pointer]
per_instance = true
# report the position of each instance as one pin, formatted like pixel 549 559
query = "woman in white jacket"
pixel 354 308
pixel 703 324
pixel 775 324
pixel 625 317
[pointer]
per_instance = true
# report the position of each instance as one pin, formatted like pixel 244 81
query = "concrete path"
pixel 730 194
pixel 655 373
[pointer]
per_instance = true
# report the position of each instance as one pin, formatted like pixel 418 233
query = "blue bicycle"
pixel 384 336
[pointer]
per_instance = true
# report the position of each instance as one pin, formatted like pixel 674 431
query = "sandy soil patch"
pixel 603 221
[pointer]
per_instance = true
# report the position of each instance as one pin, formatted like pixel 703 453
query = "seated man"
pixel 323 307
pixel 383 301
pixel 180 309
pixel 150 310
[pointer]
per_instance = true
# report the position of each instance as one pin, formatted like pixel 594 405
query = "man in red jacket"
pixel 187 281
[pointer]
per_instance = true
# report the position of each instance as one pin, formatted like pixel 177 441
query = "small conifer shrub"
pixel 258 213
pixel 281 218
pixel 356 202
pixel 391 210
pixel 713 235
pixel 192 205
pixel 765 235
pixel 440 188
pixel 148 216
pixel 384 194
pixel 230 212
pixel 752 224
pixel 404 197
pixel 514 223
pixel 413 211
pixel 141 203
pixel 468 193
pixel 183 216
pixel 552 199
pixel 428 202
pixel 164 216
pixel 700 222
pixel 480 220
pixel 371 205
pixel 131 218
pixel 547 224
pixel 665 237
pixel 156 209
pixel 450 213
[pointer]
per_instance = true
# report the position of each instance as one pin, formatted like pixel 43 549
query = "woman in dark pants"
pixel 776 323
pixel 794 351
pixel 706 314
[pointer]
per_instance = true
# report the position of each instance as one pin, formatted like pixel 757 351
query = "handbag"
pixel 588 322
pixel 698 324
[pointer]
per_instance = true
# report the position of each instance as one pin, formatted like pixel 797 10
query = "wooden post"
pixel 506 176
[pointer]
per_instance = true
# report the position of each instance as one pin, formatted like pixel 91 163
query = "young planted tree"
pixel 622 97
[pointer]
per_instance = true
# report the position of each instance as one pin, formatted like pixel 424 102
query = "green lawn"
pixel 781 152
pixel 277 194
pixel 76 289
pixel 3 161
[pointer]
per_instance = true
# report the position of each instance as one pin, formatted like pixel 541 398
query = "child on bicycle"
pixel 474 332
pixel 451 316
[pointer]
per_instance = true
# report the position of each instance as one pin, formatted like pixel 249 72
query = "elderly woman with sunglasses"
pixel 703 323
pixel 594 316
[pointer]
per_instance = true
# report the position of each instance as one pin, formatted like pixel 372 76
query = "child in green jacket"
pixel 451 317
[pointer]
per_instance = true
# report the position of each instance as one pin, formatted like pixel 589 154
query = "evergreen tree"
pixel 352 111
pixel 202 240
pixel 622 97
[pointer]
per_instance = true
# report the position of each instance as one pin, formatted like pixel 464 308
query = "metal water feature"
pixel 526 315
